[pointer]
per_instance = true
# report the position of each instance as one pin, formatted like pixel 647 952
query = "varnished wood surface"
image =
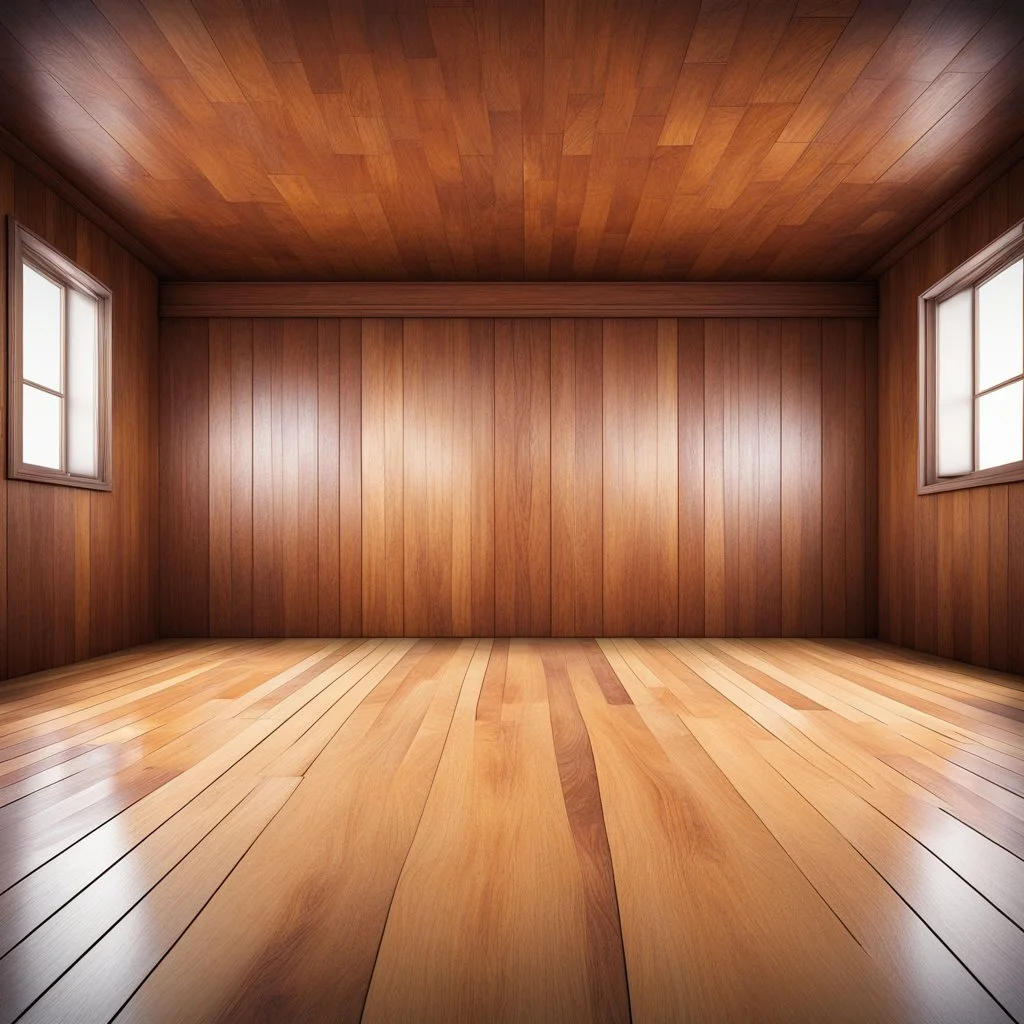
pixel 512 830
pixel 519 139
pixel 951 565
pixel 78 569
pixel 518 476
pixel 544 299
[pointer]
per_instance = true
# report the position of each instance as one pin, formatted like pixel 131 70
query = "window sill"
pixel 1008 474
pixel 59 480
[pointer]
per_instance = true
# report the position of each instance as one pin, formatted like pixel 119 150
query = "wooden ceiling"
pixel 510 139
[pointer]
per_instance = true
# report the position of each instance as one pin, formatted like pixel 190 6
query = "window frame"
pixel 1008 248
pixel 25 246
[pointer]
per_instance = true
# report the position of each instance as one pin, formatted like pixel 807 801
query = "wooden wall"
pixel 78 568
pixel 952 564
pixel 526 476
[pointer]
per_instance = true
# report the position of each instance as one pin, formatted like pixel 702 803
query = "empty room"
pixel 512 511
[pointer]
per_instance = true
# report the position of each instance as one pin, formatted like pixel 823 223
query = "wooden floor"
pixel 512 831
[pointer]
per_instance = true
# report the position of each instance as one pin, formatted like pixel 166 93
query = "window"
pixel 972 371
pixel 59 379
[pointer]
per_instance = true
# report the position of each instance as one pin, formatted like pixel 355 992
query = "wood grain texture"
pixel 513 299
pixel 521 140
pixel 574 476
pixel 522 477
pixel 560 829
pixel 79 570
pixel 950 564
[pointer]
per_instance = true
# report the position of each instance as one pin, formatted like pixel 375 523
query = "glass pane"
pixel 1001 327
pixel 83 383
pixel 955 408
pixel 1001 426
pixel 41 320
pixel 40 439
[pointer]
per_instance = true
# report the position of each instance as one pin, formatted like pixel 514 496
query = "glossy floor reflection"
pixel 397 830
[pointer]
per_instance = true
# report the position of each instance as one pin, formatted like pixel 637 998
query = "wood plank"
pixel 833 478
pixel 640 477
pixel 328 485
pixel 691 477
pixel 576 477
pixel 220 518
pixel 241 540
pixel 522 477
pixel 382 512
pixel 515 299
pixel 184 524
pixel 350 480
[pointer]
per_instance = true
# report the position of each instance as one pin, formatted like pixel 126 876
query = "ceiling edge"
pixel 70 193
pixel 953 205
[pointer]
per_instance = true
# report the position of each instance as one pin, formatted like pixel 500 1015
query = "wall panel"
pixel 523 476
pixel 951 565
pixel 78 569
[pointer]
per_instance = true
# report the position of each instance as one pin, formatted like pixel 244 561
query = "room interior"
pixel 512 510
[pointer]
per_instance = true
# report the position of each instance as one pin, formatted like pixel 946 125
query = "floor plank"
pixel 512 830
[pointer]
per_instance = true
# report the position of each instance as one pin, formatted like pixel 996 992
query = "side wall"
pixel 527 476
pixel 952 564
pixel 78 568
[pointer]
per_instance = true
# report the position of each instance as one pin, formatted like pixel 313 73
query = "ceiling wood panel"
pixel 514 139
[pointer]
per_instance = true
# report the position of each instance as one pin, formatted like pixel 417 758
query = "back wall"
pixel 518 476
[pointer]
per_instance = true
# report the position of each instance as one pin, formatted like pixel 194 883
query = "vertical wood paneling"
pixel 855 494
pixel 185 478
pixel 241 478
pixel 481 341
pixel 833 478
pixel 791 482
pixel 951 565
pixel 522 477
pixel 576 477
pixel 382 459
pixel 432 565
pixel 714 478
pixel 350 479
pixel 769 478
pixel 220 477
pixel 746 479
pixel 641 465
pixel 299 452
pixel 581 477
pixel 691 477
pixel 268 493
pixel 328 490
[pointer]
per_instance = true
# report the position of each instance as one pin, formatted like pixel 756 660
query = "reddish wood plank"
pixel 691 477
pixel 350 479
pixel 184 475
pixel 522 477
pixel 220 518
pixel 328 488
pixel 576 477
pixel 833 478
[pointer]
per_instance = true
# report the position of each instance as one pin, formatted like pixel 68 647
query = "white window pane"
pixel 83 383
pixel 40 438
pixel 1001 327
pixel 41 329
pixel 955 407
pixel 1001 426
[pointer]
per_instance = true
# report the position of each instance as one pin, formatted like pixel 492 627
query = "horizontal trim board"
pixel 520 299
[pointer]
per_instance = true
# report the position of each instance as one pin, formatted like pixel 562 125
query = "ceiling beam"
pixel 519 299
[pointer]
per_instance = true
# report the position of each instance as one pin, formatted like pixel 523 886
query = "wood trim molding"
pixel 520 299
pixel 953 205
pixel 51 177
